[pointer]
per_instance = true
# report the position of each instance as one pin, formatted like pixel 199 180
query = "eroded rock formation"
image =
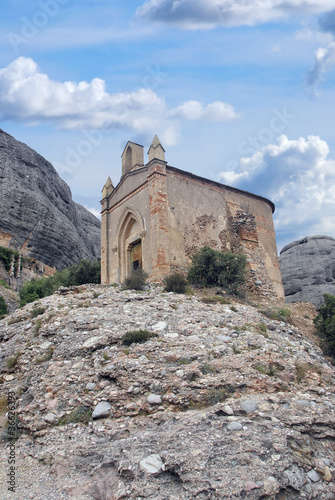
pixel 37 214
pixel 221 403
pixel 308 269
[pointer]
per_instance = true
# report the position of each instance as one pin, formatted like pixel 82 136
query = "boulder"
pixel 308 269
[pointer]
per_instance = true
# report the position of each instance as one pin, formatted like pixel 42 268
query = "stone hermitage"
pixel 158 216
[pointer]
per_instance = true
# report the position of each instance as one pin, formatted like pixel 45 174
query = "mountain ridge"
pixel 38 216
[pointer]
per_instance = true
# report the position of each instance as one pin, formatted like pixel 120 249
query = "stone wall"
pixel 202 212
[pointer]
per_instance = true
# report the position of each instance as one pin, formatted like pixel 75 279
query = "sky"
pixel 238 92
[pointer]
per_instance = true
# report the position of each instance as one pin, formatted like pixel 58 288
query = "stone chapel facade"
pixel 158 216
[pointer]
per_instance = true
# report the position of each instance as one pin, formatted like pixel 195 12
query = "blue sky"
pixel 240 92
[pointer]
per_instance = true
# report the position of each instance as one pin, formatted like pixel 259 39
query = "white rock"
pixel 160 326
pixel 50 418
pixel 152 464
pixel 102 410
pixel 154 399
pixel 249 405
pixel 235 426
pixel 313 476
pixel 93 341
pixel 46 345
pixel 228 410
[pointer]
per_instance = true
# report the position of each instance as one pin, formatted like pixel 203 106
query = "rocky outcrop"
pixel 37 214
pixel 308 269
pixel 221 403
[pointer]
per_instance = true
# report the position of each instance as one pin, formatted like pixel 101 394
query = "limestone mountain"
pixel 308 269
pixel 38 216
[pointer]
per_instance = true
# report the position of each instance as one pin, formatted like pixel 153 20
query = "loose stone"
pixel 102 410
pixel 313 476
pixel 249 405
pixel 152 464
pixel 154 399
pixel 234 426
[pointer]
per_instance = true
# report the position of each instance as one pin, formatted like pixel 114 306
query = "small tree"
pixel 325 324
pixel 204 269
pixel 232 273
pixel 212 267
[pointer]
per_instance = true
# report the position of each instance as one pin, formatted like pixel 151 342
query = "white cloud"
pixel 194 14
pixel 324 56
pixel 232 178
pixel 195 110
pixel 299 177
pixel 324 60
pixel 28 95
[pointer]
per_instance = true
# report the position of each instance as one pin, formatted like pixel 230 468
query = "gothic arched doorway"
pixel 130 243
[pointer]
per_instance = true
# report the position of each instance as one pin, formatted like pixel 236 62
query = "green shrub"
pixel 4 284
pixel 265 370
pixel 216 299
pixel 136 280
pixel 208 369
pixel 3 306
pixel 84 272
pixel 78 274
pixel 325 324
pixel 136 337
pixel 81 414
pixel 37 311
pixel 176 283
pixel 217 395
pixel 12 361
pixel 303 368
pixel 184 361
pixel 37 326
pixel 277 314
pixel 6 256
pixel 212 267
pixel 47 356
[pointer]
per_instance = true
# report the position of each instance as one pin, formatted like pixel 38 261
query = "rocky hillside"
pixel 37 213
pixel 222 402
pixel 308 269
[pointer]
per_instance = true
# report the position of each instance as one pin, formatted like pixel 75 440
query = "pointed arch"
pixel 130 233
